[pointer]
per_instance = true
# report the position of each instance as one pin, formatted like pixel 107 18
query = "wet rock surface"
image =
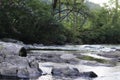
pixel 90 74
pixel 12 64
pixel 111 54
pixel 19 67
pixel 72 72
pixel 65 72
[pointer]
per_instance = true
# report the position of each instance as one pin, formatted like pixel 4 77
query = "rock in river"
pixel 13 62
pixel 65 72
pixel 12 49
pixel 90 74
pixel 72 72
pixel 67 56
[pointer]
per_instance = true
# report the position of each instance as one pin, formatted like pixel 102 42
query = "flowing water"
pixel 103 72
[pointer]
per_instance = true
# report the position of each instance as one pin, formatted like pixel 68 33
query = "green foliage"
pixel 34 21
pixel 30 21
pixel 103 28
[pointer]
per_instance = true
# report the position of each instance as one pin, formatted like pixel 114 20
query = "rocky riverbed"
pixel 103 60
pixel 71 62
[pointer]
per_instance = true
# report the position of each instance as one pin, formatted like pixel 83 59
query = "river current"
pixel 103 72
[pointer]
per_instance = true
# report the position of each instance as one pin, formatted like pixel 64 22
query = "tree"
pixel 104 27
pixel 28 20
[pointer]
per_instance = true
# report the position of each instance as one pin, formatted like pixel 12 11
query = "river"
pixel 103 72
pixel 106 66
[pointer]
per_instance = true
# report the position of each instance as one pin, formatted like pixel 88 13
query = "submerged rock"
pixel 67 56
pixel 72 72
pixel 50 58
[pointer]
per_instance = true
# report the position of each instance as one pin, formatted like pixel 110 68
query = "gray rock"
pixel 90 74
pixel 34 69
pixel 19 67
pixel 28 72
pixel 67 56
pixel 34 72
pixel 12 41
pixel 1 59
pixel 17 60
pixel 65 72
pixel 12 49
pixel 72 72
pixel 72 61
pixel 23 73
pixel 12 62
pixel 8 69
pixel 112 54
pixel 5 65
pixel 51 58
pixel 34 64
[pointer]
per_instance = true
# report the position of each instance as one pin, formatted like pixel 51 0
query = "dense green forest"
pixel 59 22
